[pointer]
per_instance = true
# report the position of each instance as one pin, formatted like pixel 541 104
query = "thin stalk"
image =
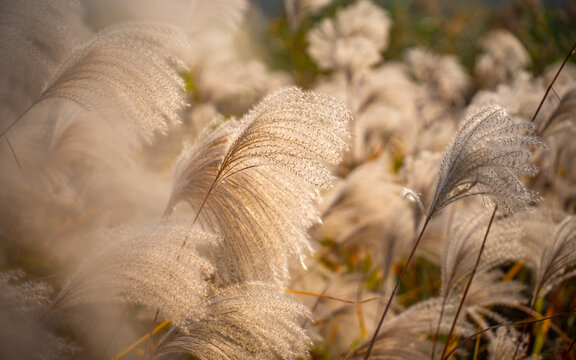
pixel 135 344
pixel 443 308
pixel 569 349
pixel 553 81
pixel 541 335
pixel 359 312
pixel 525 327
pixel 5 131
pixel 328 297
pixel 527 322
pixel 437 333
pixel 396 286
pixel 13 154
pixel 469 283
pixel 542 131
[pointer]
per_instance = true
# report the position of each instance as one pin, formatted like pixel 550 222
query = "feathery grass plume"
pixel 220 15
pixel 388 84
pixel 353 40
pixel 565 80
pixel 384 101
pixel 519 97
pixel 415 176
pixel 26 331
pixel 85 154
pixel 488 295
pixel 403 337
pixel 503 346
pixel 193 16
pixel 442 76
pixel 35 38
pixel 296 10
pixel 345 315
pixel 537 226
pixel 471 251
pixel 488 156
pixel 235 83
pixel 558 130
pixel 442 86
pixel 563 117
pixel 461 249
pixel 126 71
pixel 249 321
pixel 369 215
pixel 558 258
pixel 255 180
pixel 489 289
pixel 154 264
pixel 503 58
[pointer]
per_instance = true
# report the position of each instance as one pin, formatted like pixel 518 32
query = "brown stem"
pixel 469 283
pixel 528 322
pixel 553 81
pixel 569 349
pixel 13 153
pixel 443 308
pixel 396 286
pixel 437 333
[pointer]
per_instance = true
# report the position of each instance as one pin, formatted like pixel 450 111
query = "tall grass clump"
pixel 209 180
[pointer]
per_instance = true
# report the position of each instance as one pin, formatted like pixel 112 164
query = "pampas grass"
pixel 177 182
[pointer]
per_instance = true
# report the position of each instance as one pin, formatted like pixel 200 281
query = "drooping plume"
pixel 127 72
pixel 249 321
pixel 464 243
pixel 488 156
pixel 353 40
pixel 155 265
pixel 255 180
pixel 558 257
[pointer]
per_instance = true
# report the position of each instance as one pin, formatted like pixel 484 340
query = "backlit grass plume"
pixel 129 74
pixel 255 180
pixel 155 265
pixel 462 247
pixel 558 257
pixel 249 321
pixel 35 38
pixel 488 156
pixel 26 323
pixel 402 337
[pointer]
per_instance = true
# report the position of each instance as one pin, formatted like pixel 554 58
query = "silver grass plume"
pixel 537 228
pixel 403 337
pixel 503 58
pixel 503 346
pixel 193 16
pixel 443 79
pixel 27 327
pixel 36 36
pixel 248 321
pixel 488 156
pixel 558 257
pixel 255 180
pixel 463 244
pixel 489 289
pixel 488 293
pixel 368 212
pixel 127 71
pixel 155 265
pixel 353 40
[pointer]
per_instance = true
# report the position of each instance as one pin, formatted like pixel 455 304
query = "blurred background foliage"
pixel 546 28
